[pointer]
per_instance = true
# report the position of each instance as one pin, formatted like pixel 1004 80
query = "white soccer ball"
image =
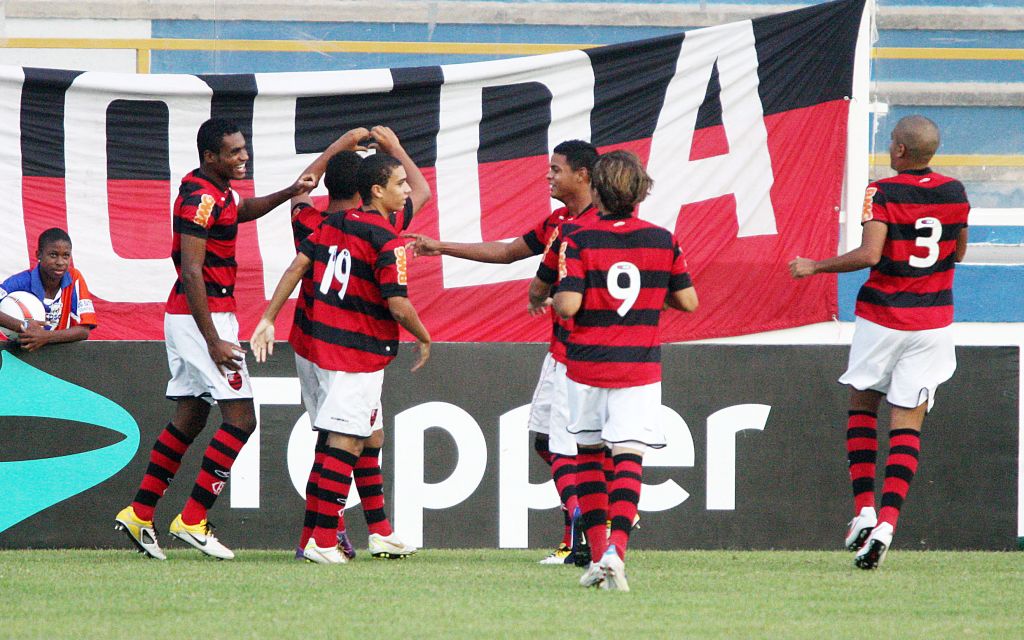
pixel 21 305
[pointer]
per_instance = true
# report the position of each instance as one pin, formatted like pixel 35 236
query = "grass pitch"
pixel 85 594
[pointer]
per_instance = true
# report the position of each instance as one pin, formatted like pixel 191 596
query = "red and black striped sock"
pixel 592 492
pixel 214 473
pixel 164 462
pixel 624 498
pixel 900 467
pixel 861 453
pixel 309 517
pixel 370 482
pixel 334 486
pixel 563 472
pixel 609 466
pixel 540 445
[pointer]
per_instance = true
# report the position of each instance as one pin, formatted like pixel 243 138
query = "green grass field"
pixel 487 593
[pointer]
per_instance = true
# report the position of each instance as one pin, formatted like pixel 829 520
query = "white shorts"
pixel 907 366
pixel 310 376
pixel 193 372
pixel 348 403
pixel 627 415
pixel 549 411
pixel 540 406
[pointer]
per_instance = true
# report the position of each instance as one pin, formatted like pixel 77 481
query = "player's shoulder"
pixel 369 225
pixel 21 281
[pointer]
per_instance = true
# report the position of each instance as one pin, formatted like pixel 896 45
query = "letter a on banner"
pixel 681 180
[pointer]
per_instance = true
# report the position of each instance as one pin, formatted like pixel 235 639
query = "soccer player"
pixel 617 273
pixel 339 165
pixel 569 179
pixel 915 231
pixel 206 362
pixel 360 269
pixel 70 315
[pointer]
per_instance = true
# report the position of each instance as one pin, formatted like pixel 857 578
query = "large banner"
pixel 756 456
pixel 742 126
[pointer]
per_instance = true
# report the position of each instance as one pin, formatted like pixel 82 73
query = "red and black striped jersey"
pixel 911 287
pixel 548 273
pixel 625 268
pixel 204 210
pixel 358 262
pixel 305 219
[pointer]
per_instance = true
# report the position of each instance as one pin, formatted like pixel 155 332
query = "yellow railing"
pixel 144 47
pixel 961 160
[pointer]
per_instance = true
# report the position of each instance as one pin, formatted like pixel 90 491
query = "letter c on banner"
pixel 87 100
pixel 412 493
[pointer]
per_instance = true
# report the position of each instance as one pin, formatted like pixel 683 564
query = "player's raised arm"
pixel 348 141
pixel 388 142
pixel 250 209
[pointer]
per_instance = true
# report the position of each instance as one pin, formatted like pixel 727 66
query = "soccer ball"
pixel 21 305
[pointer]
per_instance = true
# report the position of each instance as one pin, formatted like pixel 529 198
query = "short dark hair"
pixel 579 154
pixel 340 175
pixel 374 170
pixel 211 135
pixel 53 234
pixel 620 181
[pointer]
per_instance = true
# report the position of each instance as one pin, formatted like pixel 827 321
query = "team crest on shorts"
pixel 373 417
pixel 235 380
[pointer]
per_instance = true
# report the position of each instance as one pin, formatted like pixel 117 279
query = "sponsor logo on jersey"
pixel 203 211
pixel 401 264
pixel 869 198
pixel 552 238
pixel 561 261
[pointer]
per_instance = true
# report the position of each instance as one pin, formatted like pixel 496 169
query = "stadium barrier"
pixel 755 459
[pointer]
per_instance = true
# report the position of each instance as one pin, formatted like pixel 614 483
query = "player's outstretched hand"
pixel 539 309
pixel 262 340
pixel 801 267
pixel 424 355
pixel 385 139
pixel 423 245
pixel 227 355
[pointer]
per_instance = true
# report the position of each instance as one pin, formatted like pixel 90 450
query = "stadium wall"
pixel 755 458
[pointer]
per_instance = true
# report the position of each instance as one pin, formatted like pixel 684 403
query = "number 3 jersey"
pixel 358 263
pixel 624 267
pixel 911 287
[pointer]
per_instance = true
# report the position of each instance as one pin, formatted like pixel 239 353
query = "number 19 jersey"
pixel 911 287
pixel 624 267
pixel 358 263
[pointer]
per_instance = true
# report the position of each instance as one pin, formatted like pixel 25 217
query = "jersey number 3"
pixel 339 266
pixel 630 292
pixel 930 241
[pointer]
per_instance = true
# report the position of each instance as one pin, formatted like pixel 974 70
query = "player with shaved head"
pixel 915 231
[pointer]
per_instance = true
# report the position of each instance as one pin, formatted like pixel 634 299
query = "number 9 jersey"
pixel 911 287
pixel 624 268
pixel 358 263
